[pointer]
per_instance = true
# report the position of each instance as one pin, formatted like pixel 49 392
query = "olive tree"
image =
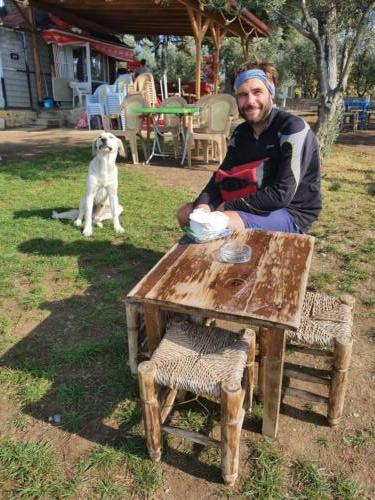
pixel 362 76
pixel 336 29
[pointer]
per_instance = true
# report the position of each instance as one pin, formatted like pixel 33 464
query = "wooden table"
pixel 267 291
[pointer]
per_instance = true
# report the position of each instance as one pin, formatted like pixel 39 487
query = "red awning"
pixel 109 49
pixel 14 20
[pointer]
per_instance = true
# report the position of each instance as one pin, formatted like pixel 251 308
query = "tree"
pixel 175 55
pixel 336 28
pixel 292 54
pixel 297 64
pixel 362 77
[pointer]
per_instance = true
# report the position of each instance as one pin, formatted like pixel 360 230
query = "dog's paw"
pixel 119 230
pixel 55 215
pixel 99 224
pixel 78 222
pixel 87 231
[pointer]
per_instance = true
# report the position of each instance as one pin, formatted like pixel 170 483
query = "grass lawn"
pixel 69 417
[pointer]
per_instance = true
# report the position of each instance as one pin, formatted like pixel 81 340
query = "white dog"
pixel 100 201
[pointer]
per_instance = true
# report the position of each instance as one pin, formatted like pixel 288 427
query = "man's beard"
pixel 266 111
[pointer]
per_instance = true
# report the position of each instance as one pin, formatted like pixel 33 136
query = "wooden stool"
pixel 207 361
pixel 326 323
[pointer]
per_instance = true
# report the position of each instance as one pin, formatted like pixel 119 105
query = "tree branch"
pixel 345 50
pixel 296 25
pixel 360 29
pixel 308 20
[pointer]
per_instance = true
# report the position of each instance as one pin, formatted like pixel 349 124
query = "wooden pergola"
pixel 160 17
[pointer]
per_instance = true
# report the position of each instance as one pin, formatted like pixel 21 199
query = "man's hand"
pixel 204 207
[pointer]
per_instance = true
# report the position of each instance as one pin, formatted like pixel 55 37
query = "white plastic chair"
pixel 115 98
pixel 218 111
pixel 112 107
pixel 122 82
pixel 80 90
pixel 95 103
pixel 145 84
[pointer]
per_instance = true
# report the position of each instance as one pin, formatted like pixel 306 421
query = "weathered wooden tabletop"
pixel 268 290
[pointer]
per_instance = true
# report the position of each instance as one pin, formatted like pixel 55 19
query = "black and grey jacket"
pixel 287 169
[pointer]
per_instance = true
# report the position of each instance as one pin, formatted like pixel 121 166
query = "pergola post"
pixel 28 17
pixel 200 27
pixel 36 55
pixel 218 35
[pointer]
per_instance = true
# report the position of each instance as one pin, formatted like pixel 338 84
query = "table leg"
pixel 156 141
pixel 189 129
pixel 155 325
pixel 273 378
pixel 148 122
pixel 132 323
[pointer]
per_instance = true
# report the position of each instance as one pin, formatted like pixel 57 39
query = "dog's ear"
pixel 121 150
pixel 93 147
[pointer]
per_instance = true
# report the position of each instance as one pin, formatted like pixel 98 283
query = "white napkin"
pixel 207 224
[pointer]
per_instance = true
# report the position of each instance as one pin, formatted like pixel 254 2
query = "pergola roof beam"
pixel 144 17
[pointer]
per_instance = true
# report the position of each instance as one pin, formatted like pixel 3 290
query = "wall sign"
pixel 14 56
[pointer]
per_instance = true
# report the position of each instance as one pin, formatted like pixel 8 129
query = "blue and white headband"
pixel 259 74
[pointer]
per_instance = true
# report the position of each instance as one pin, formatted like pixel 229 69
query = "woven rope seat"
pixel 325 330
pixel 199 359
pixel 324 318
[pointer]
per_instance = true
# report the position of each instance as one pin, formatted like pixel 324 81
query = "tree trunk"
pixel 330 106
pixel 329 119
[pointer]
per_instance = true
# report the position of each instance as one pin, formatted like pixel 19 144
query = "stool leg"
pixel 132 322
pixel 231 424
pixel 262 362
pixel 150 408
pixel 250 369
pixel 341 362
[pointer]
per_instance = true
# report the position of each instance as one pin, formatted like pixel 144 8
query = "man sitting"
pixel 270 177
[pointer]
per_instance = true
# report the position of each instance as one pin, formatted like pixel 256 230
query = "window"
pixel 79 64
pixel 99 67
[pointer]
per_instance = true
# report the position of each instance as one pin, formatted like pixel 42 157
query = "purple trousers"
pixel 278 220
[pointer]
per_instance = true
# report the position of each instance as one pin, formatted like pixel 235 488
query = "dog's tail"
pixel 69 214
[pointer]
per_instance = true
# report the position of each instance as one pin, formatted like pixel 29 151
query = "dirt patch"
pixel 193 180
pixel 26 144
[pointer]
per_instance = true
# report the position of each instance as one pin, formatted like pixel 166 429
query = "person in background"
pixel 122 70
pixel 270 177
pixel 141 69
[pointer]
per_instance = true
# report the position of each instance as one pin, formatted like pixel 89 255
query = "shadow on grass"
pixel 41 213
pixel 74 363
pixel 363 138
pixel 190 464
